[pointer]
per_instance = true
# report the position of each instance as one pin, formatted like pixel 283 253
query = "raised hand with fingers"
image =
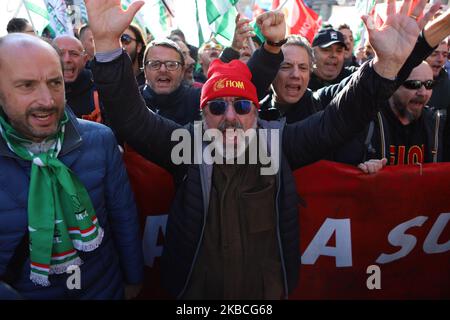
pixel 108 21
pixel 395 39
pixel 242 32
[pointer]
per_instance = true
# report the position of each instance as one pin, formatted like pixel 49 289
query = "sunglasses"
pixel 417 84
pixel 126 39
pixel 210 46
pixel 218 107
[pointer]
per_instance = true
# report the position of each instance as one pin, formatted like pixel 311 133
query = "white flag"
pixel 59 21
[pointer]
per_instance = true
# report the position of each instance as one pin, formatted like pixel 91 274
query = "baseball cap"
pixel 327 37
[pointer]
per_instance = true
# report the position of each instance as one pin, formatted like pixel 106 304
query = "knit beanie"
pixel 228 80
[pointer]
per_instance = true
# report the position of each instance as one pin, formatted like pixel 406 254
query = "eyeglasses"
pixel 126 39
pixel 417 84
pixel 156 65
pixel 218 107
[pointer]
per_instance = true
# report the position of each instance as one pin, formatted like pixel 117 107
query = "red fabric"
pixel 300 19
pixel 228 80
pixel 371 205
pixel 375 204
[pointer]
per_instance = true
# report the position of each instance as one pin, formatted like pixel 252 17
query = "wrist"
pixel 279 43
pixel 386 69
pixel 106 45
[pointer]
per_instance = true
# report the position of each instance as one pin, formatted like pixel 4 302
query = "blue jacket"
pixel 91 152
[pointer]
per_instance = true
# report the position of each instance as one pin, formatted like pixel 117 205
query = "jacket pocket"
pixel 258 208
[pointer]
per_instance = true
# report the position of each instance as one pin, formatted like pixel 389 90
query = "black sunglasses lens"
pixel 417 84
pixel 125 39
pixel 412 84
pixel 242 106
pixel 217 107
pixel 429 84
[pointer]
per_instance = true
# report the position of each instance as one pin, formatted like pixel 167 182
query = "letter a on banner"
pixel 318 246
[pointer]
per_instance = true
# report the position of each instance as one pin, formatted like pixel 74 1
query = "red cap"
pixel 228 80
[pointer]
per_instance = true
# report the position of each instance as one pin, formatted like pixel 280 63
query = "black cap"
pixel 326 37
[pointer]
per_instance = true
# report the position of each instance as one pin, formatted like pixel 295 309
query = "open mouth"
pixel 293 88
pixel 69 72
pixel 43 118
pixel 163 81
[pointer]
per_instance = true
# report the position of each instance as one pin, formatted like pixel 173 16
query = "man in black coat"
pixel 81 95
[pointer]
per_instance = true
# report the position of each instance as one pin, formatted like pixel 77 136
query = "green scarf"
pixel 61 217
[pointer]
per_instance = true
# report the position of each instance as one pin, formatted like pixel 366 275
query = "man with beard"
pixel 233 232
pixel 405 131
pixel 65 202
pixel 164 91
pixel 81 95
pixel 133 42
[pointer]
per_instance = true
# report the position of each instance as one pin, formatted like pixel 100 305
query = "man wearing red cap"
pixel 233 232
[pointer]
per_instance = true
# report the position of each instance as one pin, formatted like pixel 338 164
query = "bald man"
pixel 81 95
pixel 68 222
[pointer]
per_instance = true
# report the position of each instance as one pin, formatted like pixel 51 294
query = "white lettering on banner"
pixel 318 246
pixel 374 281
pixel 398 238
pixel 150 239
pixel 430 244
pixel 73 281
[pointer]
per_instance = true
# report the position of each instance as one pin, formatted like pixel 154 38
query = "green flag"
pixel 59 21
pixel 221 15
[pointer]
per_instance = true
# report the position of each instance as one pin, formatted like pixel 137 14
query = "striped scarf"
pixel 61 217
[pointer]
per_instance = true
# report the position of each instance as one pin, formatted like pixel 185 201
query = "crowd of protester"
pixel 358 106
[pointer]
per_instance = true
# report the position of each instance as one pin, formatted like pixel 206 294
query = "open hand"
pixel 108 21
pixel 395 39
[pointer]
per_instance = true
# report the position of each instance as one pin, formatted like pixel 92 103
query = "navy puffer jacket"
pixel 91 152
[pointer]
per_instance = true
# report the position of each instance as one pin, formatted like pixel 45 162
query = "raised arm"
pixel 357 103
pixel 265 61
pixel 147 133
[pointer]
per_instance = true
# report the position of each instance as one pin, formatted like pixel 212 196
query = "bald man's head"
pixel 22 42
pixel 72 55
pixel 31 85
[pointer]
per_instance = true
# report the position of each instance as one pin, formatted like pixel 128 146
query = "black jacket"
pixel 303 108
pixel 440 99
pixel 181 106
pixel 79 94
pixel 315 83
pixel 301 144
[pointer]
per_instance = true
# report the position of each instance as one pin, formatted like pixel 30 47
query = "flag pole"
pixel 28 13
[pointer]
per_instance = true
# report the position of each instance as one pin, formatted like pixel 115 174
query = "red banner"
pixel 300 19
pixel 383 236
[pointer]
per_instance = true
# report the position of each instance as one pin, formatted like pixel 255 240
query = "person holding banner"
pixel 68 221
pixel 232 231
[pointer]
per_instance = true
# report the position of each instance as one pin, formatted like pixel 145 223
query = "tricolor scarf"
pixel 61 217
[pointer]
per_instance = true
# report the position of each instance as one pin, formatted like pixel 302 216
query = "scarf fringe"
pixel 62 268
pixel 39 279
pixel 89 245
